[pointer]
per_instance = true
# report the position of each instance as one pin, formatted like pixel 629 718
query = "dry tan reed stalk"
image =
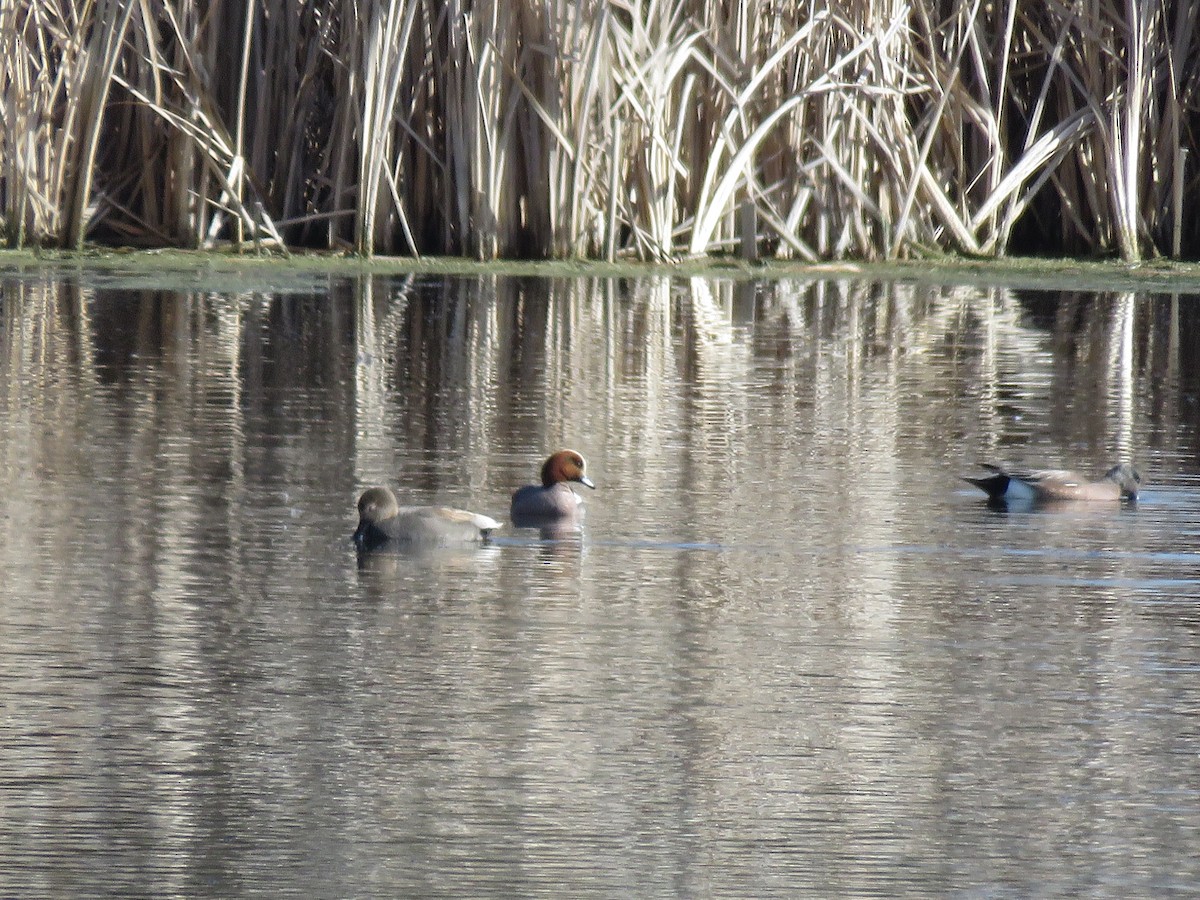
pixel 91 90
pixel 386 44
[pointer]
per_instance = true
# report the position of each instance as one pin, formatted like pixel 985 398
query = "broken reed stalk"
pixel 597 128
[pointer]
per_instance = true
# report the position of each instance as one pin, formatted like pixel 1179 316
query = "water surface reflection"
pixel 788 653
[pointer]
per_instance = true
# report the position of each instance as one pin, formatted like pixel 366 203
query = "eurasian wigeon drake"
pixel 381 520
pixel 552 500
pixel 1056 485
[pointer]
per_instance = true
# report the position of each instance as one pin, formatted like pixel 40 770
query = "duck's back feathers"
pixel 534 503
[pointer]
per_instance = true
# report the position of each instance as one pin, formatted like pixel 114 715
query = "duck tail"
pixel 992 485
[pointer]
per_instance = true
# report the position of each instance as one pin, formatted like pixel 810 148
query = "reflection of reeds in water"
pixel 561 129
pixel 490 366
pixel 702 399
pixel 471 380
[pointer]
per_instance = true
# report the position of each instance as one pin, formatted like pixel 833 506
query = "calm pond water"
pixel 790 653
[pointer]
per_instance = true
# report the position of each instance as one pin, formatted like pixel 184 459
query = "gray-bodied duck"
pixel 383 521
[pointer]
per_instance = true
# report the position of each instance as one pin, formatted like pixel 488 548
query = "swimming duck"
pixel 381 520
pixel 1119 483
pixel 552 500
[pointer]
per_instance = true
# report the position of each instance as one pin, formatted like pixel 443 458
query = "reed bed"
pixel 654 129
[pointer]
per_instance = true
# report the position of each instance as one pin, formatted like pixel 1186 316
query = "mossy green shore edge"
pixel 1013 272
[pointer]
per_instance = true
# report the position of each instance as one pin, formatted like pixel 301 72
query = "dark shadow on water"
pixel 548 531
pixel 390 561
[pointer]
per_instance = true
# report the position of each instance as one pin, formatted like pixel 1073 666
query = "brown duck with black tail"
pixel 1057 485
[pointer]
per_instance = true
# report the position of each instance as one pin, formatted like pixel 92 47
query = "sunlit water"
pixel 790 653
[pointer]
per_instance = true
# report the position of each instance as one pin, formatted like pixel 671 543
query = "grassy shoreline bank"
pixel 1015 272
